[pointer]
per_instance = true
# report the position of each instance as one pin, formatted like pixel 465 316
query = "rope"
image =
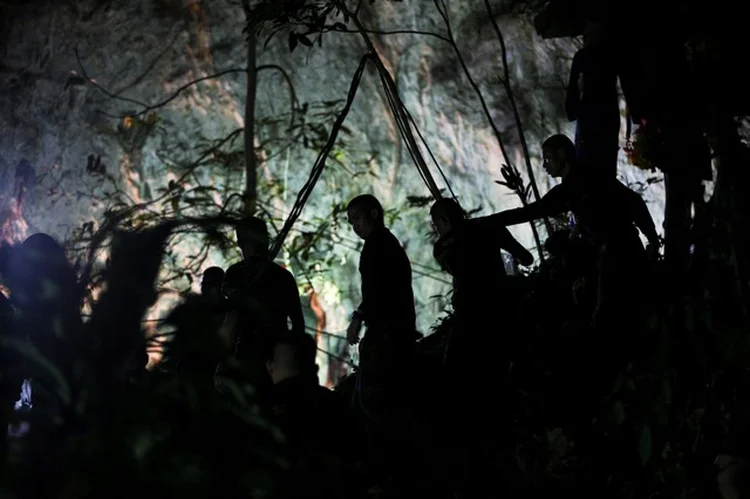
pixel 401 115
pixel 320 162
pixel 404 121
pixel 432 156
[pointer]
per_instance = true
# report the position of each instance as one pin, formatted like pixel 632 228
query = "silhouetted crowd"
pixel 418 415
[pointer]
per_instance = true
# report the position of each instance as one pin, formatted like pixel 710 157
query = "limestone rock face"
pixel 138 53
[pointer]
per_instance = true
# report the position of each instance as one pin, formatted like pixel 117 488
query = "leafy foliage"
pixel 306 21
pixel 85 409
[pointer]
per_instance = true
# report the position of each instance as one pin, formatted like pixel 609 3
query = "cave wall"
pixel 141 51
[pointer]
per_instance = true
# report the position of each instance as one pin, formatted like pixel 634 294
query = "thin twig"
pixel 151 65
pixel 443 11
pixel 397 106
pixel 514 106
pixel 151 107
pixel 251 160
pixel 396 32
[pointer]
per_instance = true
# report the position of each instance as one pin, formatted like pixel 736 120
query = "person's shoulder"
pixel 391 239
pixel 234 272
pixel 280 270
pixel 380 238
pixel 235 268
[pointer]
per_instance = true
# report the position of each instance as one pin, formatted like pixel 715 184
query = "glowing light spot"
pixel 14 229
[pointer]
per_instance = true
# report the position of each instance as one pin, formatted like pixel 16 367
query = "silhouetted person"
pixel 311 417
pixel 594 104
pixel 299 405
pixel 387 306
pixel 11 377
pixel 263 299
pixel 607 214
pixel 212 283
pixel 272 290
pixel 196 347
pixel 387 309
pixel 45 293
pixel 480 347
pixel 471 253
pixel 46 311
pixel 212 287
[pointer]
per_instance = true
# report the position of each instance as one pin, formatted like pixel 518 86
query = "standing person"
pixel 387 309
pixel 263 301
pixel 607 214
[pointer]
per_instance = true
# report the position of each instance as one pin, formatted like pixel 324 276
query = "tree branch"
pixel 400 112
pixel 396 32
pixel 443 11
pixel 151 107
pixel 516 115
pixel 150 66
pixel 251 160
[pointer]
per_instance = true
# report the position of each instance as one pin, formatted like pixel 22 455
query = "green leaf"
pixel 644 446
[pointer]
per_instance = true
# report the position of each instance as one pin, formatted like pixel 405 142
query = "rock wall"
pixel 139 52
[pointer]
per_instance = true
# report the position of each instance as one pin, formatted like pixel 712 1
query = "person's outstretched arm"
pixel 551 204
pixel 512 246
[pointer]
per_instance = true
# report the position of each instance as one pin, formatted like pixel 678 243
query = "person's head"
pixel 446 215
pixel 365 214
pixel 44 250
pixel 39 260
pixel 292 355
pixel 559 154
pixel 212 282
pixel 252 237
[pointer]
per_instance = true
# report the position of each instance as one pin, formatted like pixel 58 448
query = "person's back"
pixel 387 306
pixel 307 413
pixel 271 289
pixel 262 297
pixel 386 282
pixel 261 292
pixel 385 354
pixel 605 210
pixel 312 418
pixel 470 251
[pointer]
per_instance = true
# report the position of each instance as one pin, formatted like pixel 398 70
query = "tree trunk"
pixel 730 198
pixel 251 167
pixel 680 189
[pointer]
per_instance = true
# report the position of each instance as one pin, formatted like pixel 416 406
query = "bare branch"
pixel 443 11
pixel 505 80
pixel 100 87
pixel 396 32
pixel 151 107
pixel 150 67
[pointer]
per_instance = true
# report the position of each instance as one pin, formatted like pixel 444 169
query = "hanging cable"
pixel 429 151
pixel 320 162
pixel 400 115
